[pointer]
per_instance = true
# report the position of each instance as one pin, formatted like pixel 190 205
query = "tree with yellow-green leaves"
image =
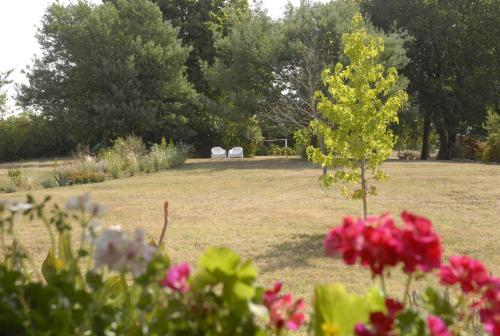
pixel 359 104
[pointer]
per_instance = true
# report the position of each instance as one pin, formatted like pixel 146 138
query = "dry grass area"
pixel 272 210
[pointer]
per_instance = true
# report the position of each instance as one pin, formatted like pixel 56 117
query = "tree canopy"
pixel 109 70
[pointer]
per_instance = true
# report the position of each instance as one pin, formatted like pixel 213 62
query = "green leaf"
pixel 51 266
pixel 65 252
pixel 336 309
pixel 243 291
pixel 439 305
pixel 411 323
pixel 220 258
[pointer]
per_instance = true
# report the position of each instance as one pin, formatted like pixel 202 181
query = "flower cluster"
pixel 378 243
pixel 469 273
pixel 177 278
pixel 284 312
pixel 118 252
pixel 490 311
pixel 473 278
pixel 381 324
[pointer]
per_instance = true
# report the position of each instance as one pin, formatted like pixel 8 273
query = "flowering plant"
pixel 112 283
pixel 381 246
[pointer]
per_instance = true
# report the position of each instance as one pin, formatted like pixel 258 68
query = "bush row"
pixel 127 157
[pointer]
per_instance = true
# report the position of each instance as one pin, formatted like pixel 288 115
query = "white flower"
pixel 19 207
pixel 138 254
pixel 83 202
pixel 78 202
pixel 92 229
pixel 114 250
pixel 109 248
pixel 96 209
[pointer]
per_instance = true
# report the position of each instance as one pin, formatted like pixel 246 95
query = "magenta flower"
pixel 378 243
pixel 284 312
pixel 469 273
pixel 422 246
pixel 437 327
pixel 490 313
pixel 177 278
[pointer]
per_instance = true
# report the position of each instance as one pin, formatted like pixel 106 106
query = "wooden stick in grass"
pixel 165 223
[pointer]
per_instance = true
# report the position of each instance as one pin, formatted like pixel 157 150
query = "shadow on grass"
pixel 293 253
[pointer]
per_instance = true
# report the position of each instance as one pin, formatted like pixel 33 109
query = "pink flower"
pixel 469 273
pixel 283 310
pixel 177 278
pixel 437 327
pixel 490 313
pixel 422 246
pixel 382 244
pixel 346 240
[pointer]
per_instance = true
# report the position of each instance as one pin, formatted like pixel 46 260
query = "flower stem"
pixel 382 283
pixel 407 288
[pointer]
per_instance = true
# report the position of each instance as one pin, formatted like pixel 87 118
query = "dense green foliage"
pixel 109 70
pixel 27 136
pixel 453 70
pixel 492 150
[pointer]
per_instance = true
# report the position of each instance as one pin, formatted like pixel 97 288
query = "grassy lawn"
pixel 272 210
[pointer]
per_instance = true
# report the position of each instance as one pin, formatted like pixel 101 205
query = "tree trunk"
pixel 323 151
pixel 444 144
pixel 364 187
pixel 424 155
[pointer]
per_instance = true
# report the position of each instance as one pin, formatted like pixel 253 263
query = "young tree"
pixel 360 104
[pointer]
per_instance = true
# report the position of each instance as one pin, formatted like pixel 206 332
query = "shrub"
pixel 27 135
pixel 15 176
pixel 84 177
pixel 61 175
pixel 492 125
pixel 48 181
pixel 246 134
pixel 492 151
pixel 10 188
pixel 114 163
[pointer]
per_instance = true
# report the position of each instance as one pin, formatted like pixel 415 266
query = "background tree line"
pixel 222 72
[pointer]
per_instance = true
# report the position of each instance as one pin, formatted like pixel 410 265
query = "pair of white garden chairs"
pixel 220 153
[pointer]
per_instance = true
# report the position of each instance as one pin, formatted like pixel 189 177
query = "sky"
pixel 18 21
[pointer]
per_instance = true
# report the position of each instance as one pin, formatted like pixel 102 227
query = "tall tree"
pixel 109 70
pixel 311 42
pixel 197 21
pixel 361 102
pixel 454 69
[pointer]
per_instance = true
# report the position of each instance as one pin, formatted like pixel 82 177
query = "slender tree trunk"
pixel 424 155
pixel 444 144
pixel 323 151
pixel 364 187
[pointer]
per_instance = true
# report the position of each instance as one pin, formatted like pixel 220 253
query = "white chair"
pixel 218 153
pixel 235 152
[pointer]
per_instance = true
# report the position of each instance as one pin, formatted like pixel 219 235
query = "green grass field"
pixel 273 210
